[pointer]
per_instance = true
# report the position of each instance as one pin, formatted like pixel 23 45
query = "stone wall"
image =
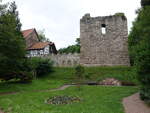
pixel 104 41
pixel 64 60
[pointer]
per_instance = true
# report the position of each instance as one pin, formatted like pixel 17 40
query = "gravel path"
pixel 133 104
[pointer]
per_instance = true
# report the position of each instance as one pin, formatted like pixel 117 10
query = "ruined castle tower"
pixel 104 40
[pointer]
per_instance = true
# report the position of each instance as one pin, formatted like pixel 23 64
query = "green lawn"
pixel 61 76
pixel 98 73
pixel 96 99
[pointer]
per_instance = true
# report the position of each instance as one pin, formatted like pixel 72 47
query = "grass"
pixel 98 73
pixel 39 84
pixel 64 75
pixel 46 82
pixel 95 99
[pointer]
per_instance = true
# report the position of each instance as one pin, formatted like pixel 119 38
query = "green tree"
pixel 42 36
pixel 145 2
pixel 139 47
pixel 78 41
pixel 71 49
pixel 12 44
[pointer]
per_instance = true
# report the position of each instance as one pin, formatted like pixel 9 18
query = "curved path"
pixel 133 104
pixel 56 89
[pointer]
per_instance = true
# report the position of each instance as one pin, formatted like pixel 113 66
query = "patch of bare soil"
pixel 133 104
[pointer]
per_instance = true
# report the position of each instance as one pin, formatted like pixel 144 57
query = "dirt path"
pixel 61 88
pixel 1 111
pixel 133 104
pixel 56 89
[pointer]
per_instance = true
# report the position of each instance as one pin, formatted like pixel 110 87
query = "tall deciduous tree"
pixel 139 46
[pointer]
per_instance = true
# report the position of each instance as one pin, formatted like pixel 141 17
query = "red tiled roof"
pixel 39 45
pixel 27 32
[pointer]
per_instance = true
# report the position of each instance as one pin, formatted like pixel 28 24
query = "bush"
pixel 44 67
pixel 79 71
pixel 41 66
pixel 87 75
pixel 23 72
pixel 79 74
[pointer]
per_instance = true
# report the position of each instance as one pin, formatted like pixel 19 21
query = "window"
pixel 103 29
pixel 41 52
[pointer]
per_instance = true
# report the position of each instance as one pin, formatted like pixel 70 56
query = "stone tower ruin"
pixel 104 40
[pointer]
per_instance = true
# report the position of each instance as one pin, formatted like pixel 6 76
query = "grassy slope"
pixel 66 75
pixel 53 80
pixel 99 73
pixel 95 99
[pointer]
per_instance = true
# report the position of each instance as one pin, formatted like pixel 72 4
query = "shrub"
pixel 23 72
pixel 87 75
pixel 79 71
pixel 44 67
pixel 41 66
pixel 79 74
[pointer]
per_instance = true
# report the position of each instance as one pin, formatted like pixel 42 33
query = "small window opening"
pixel 103 28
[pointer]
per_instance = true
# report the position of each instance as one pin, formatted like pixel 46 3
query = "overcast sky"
pixel 60 18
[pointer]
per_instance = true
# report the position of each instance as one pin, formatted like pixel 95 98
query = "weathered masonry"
pixel 104 41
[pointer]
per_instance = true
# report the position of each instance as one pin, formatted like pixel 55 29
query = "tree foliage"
pixel 139 47
pixel 41 66
pixel 145 2
pixel 41 36
pixel 71 49
pixel 12 43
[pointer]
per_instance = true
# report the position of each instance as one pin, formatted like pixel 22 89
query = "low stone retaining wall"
pixel 64 60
